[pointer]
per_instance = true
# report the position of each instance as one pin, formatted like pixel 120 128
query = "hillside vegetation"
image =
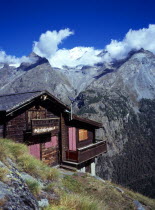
pixel 28 183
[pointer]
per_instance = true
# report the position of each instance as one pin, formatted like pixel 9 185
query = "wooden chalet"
pixel 43 122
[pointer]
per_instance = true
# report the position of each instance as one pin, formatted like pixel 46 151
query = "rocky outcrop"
pixel 14 193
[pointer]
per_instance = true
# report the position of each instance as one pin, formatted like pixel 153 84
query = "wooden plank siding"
pixel 92 152
pixel 64 138
pixel 50 155
pixel 15 128
pixel 18 128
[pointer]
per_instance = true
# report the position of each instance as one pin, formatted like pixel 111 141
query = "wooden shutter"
pixel 72 138
pixel 34 113
pixel 83 134
pixel 52 143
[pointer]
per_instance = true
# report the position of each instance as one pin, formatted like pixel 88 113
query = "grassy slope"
pixel 76 192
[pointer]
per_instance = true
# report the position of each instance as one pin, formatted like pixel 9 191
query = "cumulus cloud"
pixel 49 41
pixel 13 60
pixel 47 47
pixel 133 40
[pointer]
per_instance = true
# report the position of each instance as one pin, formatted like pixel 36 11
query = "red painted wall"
pixel 72 138
pixel 52 143
pixel 35 150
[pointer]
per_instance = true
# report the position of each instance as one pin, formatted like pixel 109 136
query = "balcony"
pixel 86 153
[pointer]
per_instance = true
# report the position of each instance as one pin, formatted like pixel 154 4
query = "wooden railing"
pixel 86 153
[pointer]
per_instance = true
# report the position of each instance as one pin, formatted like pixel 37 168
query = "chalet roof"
pixel 87 121
pixel 11 102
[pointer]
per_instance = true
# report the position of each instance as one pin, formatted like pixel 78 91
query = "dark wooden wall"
pixel 18 129
pixel 50 155
pixel 15 128
pixel 64 137
pixel 1 131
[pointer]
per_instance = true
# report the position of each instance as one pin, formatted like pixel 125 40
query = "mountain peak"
pixel 36 58
pixel 35 61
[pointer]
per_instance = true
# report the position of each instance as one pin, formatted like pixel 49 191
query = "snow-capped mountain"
pixel 78 56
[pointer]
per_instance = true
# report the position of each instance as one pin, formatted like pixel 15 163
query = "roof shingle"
pixel 9 102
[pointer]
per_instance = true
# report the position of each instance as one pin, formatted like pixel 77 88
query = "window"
pixel 35 113
pixel 83 134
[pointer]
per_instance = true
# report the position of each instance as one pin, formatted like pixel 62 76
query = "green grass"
pixel 19 153
pixel 10 149
pixel 72 184
pixel 34 187
pixel 141 198
pixel 49 187
pixel 104 194
pixel 73 192
pixel 76 202
pixel 37 168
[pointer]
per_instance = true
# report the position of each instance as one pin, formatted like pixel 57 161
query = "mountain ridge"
pixel 120 95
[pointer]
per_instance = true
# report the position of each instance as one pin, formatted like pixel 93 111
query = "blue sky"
pixel 95 22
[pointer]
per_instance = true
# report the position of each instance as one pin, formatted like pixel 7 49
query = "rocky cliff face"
pixel 130 138
pixel 121 95
pixel 124 102
pixel 15 194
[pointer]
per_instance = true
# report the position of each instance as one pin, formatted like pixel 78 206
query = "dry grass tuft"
pixel 3 174
pixel 34 187
pixel 19 153
pixel 37 168
pixel 141 198
pixel 72 184
pixel 76 202
pixel 10 149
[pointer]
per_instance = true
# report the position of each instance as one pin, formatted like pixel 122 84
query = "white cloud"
pixel 49 41
pixel 13 60
pixel 47 47
pixel 133 40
